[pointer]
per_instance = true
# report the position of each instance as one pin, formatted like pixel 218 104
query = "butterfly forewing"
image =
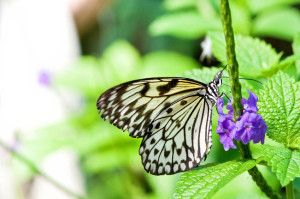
pixel 133 105
pixel 179 137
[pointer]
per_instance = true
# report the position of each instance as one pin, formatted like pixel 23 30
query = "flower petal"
pixel 229 105
pixel 227 142
pixel 251 105
pixel 220 105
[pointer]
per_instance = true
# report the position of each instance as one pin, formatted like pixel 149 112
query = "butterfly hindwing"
pixel 179 137
pixel 133 105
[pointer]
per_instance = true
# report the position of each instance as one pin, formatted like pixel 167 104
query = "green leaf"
pixel 260 6
pixel 289 60
pixel 274 23
pixel 166 64
pixel 288 64
pixel 279 104
pixel 120 62
pixel 296 44
pixel 205 74
pixel 296 49
pixel 122 57
pixel 255 57
pixel 204 183
pixel 242 19
pixel 184 24
pixel 79 76
pixel 179 4
pixel 284 162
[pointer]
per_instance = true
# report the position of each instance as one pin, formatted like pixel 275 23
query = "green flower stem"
pixel 232 65
pixel 235 85
pixel 33 168
pixel 290 190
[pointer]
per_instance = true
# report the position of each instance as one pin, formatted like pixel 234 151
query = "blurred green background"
pixel 151 38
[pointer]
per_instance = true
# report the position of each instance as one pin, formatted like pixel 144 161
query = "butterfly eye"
pixel 217 81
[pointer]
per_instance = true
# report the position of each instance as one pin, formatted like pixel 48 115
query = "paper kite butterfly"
pixel 172 115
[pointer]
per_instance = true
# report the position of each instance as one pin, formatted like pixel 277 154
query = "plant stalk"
pixel 32 167
pixel 290 190
pixel 233 71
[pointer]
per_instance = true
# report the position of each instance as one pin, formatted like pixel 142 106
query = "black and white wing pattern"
pixel 172 115
pixel 179 137
pixel 133 105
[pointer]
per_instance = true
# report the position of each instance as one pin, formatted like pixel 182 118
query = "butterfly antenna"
pixel 246 79
pixel 224 68
pixel 214 115
pixel 225 84
pixel 225 94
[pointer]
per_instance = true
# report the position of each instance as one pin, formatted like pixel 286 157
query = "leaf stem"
pixel 32 167
pixel 290 190
pixel 233 71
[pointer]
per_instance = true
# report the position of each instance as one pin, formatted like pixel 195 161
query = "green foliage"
pixel 284 162
pixel 280 107
pixel 118 62
pixel 178 4
pixel 203 183
pixel 121 62
pixel 166 63
pixel 259 6
pixel 274 23
pixel 255 57
pixel 296 49
pixel 193 18
pixel 184 24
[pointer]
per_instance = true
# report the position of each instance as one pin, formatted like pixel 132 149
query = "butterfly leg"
pixel 214 115
pixel 225 84
pixel 226 94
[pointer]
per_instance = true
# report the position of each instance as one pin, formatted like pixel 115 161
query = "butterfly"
pixel 172 116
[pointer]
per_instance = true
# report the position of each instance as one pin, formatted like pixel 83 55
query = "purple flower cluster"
pixel 250 126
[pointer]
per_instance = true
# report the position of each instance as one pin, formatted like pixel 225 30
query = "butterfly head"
pixel 218 79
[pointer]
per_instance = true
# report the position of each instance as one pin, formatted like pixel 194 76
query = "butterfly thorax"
pixel 212 91
pixel 212 88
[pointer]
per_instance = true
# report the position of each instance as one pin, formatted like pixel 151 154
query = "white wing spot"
pixel 125 127
pixel 130 129
pixel 160 169
pixel 168 169
pixel 121 123
pixel 175 168
pixel 147 165
pixel 182 166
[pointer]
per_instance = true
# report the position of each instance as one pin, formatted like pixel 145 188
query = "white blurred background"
pixel 38 39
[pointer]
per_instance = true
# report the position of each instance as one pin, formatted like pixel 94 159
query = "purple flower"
pixel 226 130
pixel 226 127
pixel 250 126
pixel 44 78
pixel 250 105
pixel 220 104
